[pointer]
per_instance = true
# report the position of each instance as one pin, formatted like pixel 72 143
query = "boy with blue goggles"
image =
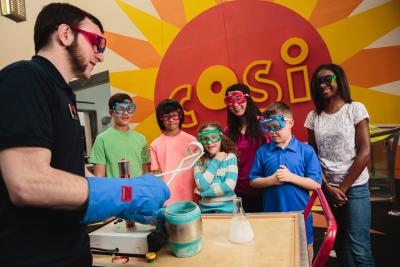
pixel 273 123
pixel 125 106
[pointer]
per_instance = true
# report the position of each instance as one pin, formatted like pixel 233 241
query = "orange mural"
pixel 192 50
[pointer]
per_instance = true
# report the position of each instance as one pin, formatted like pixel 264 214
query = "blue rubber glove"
pixel 137 199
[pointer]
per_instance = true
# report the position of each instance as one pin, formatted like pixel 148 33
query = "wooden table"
pixel 280 240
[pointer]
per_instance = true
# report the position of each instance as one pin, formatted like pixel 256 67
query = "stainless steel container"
pixel 184 227
pixel 186 232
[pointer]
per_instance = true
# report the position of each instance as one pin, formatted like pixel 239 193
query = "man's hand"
pixel 133 199
pixel 283 175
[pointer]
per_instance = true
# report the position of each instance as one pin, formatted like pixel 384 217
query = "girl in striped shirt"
pixel 216 172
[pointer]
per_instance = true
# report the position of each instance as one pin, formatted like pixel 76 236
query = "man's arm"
pixel 99 170
pixel 31 181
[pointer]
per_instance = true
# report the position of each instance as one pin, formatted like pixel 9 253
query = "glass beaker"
pixel 240 230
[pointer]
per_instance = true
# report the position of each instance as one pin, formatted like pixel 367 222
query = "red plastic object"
pixel 330 234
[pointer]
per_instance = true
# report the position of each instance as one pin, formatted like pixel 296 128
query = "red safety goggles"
pixel 235 97
pixel 94 39
pixel 175 115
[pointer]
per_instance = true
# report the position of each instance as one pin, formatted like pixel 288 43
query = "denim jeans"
pixel 353 244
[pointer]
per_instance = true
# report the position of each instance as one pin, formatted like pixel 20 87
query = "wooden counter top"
pixel 280 240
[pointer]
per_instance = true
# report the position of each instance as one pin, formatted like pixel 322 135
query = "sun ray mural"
pixel 346 34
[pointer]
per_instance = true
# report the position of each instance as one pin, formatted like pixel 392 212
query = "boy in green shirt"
pixel 120 142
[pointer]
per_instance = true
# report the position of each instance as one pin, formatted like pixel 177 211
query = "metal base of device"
pixel 114 239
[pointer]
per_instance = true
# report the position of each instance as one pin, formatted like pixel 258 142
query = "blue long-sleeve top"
pixel 215 184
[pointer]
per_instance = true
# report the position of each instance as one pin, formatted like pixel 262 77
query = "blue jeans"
pixel 353 244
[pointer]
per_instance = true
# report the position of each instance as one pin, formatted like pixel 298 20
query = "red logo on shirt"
pixel 126 194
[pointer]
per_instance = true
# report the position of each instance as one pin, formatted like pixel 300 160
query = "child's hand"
pixel 284 175
pixel 276 180
pixel 221 156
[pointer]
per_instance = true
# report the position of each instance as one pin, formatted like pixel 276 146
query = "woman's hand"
pixel 337 196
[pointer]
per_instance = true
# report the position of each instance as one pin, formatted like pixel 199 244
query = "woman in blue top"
pixel 216 172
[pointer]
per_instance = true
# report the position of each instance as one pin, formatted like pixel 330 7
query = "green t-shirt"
pixel 113 145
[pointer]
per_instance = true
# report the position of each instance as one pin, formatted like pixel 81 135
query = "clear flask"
pixel 240 230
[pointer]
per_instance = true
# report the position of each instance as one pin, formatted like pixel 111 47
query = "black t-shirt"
pixel 38 109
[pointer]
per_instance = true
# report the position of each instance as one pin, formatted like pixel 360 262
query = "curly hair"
pixel 227 145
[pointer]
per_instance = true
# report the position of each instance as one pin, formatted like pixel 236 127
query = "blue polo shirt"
pixel 301 160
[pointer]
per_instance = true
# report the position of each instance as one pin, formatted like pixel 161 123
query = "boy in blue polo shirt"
pixel 285 168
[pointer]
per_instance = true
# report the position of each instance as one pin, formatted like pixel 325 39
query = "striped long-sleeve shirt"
pixel 215 184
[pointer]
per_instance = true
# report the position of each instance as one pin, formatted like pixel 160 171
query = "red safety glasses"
pixel 94 39
pixel 235 97
pixel 175 115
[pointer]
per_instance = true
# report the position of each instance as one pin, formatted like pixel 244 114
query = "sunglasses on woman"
pixel 94 39
pixel 327 80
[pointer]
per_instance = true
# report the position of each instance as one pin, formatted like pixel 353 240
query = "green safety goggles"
pixel 327 80
pixel 208 136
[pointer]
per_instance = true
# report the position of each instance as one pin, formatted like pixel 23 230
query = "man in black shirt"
pixel 45 199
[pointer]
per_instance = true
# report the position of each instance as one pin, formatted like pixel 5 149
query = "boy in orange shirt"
pixel 169 149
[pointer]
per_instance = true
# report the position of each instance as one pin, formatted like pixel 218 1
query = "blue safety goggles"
pixel 273 123
pixel 126 106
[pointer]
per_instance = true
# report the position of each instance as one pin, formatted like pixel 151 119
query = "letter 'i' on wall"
pixel 300 58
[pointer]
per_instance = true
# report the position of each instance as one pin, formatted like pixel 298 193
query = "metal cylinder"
pixel 184 233
pixel 124 168
pixel 184 227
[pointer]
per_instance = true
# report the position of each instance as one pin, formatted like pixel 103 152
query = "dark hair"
pixel 55 14
pixel 278 108
pixel 227 145
pixel 167 106
pixel 253 131
pixel 117 98
pixel 342 84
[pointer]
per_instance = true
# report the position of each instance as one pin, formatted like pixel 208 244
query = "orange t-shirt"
pixel 166 154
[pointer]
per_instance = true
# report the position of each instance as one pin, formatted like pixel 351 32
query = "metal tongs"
pixel 194 150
